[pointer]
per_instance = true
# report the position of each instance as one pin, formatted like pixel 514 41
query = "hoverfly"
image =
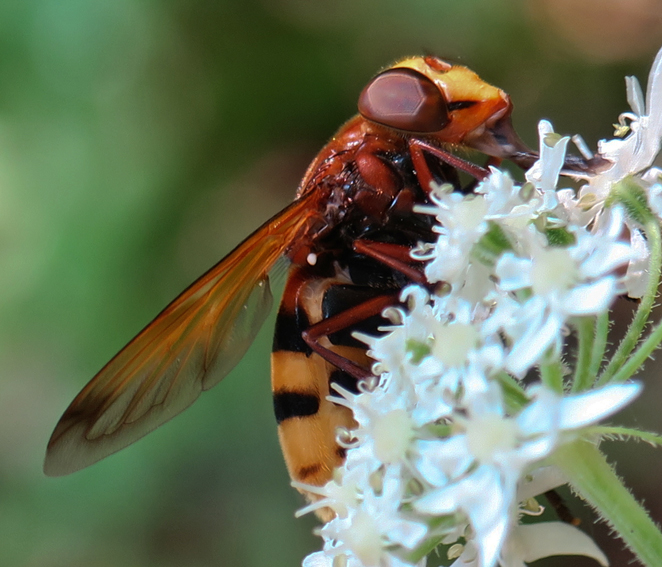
pixel 347 235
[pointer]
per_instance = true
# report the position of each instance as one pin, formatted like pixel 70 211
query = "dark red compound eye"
pixel 404 99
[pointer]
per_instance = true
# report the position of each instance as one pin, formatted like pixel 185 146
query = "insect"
pixel 347 235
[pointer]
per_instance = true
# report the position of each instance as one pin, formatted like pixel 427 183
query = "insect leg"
pixel 341 321
pixel 491 161
pixel 395 256
pixel 416 149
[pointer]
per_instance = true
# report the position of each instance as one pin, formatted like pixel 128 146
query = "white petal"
pixel 545 539
pixel 439 460
pixel 487 496
pixel 606 259
pixel 545 172
pixel 540 481
pixel 654 94
pixel 440 501
pixel 542 415
pixel 318 559
pixel 513 272
pixel 655 199
pixel 636 278
pixel 611 222
pixel 532 451
pixel 491 528
pixel 592 298
pixel 584 409
pixel 635 96
pixel 481 490
pixel 531 346
pixel 406 533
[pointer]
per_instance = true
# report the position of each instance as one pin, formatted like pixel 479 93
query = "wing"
pixel 189 347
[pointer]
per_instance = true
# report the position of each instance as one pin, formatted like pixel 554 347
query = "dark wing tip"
pixel 68 451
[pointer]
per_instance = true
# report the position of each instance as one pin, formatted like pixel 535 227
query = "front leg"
pixel 417 148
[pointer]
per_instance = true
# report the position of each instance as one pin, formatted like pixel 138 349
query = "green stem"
pixel 652 230
pixel 586 339
pixel 637 360
pixel 596 482
pixel 599 343
pixel 551 375
pixel 614 433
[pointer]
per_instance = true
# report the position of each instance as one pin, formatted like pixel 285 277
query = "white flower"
pixel 638 150
pixel 439 347
pixel 450 445
pixel 326 559
pixel 340 494
pixel 385 426
pixel 478 469
pixel 464 220
pixel 461 224
pixel 574 281
pixel 375 525
pixel 459 348
pixel 397 351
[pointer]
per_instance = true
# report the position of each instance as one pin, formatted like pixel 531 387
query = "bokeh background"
pixel 140 140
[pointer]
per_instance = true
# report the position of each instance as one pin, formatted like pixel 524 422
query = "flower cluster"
pixel 475 399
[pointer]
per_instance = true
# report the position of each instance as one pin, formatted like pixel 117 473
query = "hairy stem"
pixel 596 482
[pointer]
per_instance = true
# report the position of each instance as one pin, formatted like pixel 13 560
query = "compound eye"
pixel 404 99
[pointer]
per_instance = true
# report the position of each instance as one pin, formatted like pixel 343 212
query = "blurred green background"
pixel 140 141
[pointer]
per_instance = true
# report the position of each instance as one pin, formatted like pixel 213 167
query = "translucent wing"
pixel 190 346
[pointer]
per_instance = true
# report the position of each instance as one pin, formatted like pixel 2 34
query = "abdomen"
pixel 301 380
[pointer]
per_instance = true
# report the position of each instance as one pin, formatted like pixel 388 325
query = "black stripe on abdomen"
pixel 294 404
pixel 287 334
pixel 304 472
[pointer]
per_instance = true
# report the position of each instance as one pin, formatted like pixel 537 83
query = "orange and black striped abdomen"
pixel 302 380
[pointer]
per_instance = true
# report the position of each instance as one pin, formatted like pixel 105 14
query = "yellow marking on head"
pixel 461 84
